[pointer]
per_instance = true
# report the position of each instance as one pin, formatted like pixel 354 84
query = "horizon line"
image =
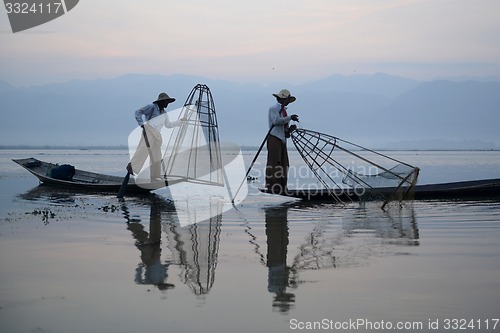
pixel 488 78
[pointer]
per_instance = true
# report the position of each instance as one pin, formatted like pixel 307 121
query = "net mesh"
pixel 193 151
pixel 350 172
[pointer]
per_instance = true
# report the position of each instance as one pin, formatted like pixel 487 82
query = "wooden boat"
pixel 474 189
pixel 85 180
pixel 81 180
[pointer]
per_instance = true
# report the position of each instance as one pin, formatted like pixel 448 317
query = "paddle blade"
pixel 123 187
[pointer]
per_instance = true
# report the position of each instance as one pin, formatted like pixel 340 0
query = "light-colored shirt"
pixel 151 111
pixel 276 119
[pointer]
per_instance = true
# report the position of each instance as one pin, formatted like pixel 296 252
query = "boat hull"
pixel 475 189
pixel 82 180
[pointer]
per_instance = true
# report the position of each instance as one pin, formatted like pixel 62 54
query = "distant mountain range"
pixel 375 110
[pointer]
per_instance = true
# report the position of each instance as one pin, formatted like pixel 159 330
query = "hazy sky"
pixel 257 41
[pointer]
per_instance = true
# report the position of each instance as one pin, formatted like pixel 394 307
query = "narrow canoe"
pixel 474 189
pixel 82 180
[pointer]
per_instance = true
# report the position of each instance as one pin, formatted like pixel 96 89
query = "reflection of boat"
pixel 475 189
pixel 81 180
pixel 49 193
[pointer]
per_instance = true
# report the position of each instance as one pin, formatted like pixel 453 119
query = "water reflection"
pixel 396 224
pixel 366 231
pixel 363 232
pixel 279 273
pixel 193 248
pixel 325 237
pixel 151 270
pixel 51 194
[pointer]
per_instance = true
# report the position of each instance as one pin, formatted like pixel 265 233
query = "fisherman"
pixel 277 154
pixel 152 118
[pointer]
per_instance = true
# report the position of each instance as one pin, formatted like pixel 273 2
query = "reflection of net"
pixel 365 233
pixel 347 170
pixel 195 249
pixel 193 151
pixel 317 252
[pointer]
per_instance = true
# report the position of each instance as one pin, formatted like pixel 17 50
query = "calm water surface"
pixel 90 263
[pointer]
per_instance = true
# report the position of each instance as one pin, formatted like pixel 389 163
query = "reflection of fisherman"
pixel 151 271
pixel 149 119
pixel 278 271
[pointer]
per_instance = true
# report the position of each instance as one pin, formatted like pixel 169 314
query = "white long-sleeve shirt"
pixel 151 114
pixel 276 119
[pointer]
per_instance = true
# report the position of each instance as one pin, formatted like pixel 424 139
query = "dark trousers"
pixel 277 165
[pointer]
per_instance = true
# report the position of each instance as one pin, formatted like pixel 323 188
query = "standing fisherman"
pixel 277 154
pixel 152 118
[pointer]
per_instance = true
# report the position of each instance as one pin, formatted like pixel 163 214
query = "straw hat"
pixel 164 97
pixel 284 93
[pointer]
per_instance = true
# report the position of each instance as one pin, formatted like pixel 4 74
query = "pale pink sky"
pixel 257 41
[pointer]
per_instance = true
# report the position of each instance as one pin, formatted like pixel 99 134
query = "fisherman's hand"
pixel 292 128
pixel 295 117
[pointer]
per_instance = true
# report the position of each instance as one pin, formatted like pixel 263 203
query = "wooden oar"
pixel 126 179
pixel 123 187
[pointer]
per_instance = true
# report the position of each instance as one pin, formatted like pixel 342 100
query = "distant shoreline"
pixel 243 148
pixel 49 147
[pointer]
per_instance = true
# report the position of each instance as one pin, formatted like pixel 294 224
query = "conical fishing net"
pixel 193 151
pixel 352 172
